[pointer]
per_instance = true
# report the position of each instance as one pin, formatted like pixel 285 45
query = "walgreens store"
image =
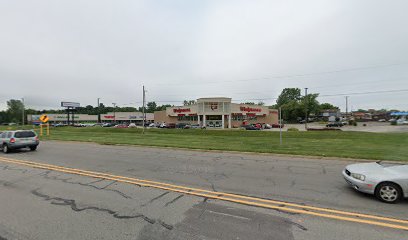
pixel 217 113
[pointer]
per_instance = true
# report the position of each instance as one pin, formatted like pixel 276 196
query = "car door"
pixel 402 177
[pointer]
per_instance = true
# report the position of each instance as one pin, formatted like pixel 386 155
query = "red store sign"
pixel 249 109
pixel 181 110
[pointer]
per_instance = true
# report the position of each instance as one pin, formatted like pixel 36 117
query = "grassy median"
pixel 382 146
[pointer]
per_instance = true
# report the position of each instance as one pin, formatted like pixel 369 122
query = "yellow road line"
pixel 224 196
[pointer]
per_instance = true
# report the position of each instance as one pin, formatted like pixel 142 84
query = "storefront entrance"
pixel 213 121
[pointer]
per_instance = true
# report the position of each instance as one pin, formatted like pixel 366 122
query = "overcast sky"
pixel 74 50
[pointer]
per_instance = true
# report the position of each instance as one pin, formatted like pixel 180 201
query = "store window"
pixel 187 118
pixel 238 117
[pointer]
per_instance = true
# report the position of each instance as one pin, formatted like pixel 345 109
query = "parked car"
pixel 277 125
pixel 334 124
pixel 382 120
pixel 10 140
pixel 163 125
pixel 121 126
pixel 171 125
pixel 132 125
pixel 108 125
pixel 182 125
pixel 250 127
pixel 195 126
pixel 388 182
pixel 152 125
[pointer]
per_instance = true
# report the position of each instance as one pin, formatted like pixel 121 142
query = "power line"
pixel 274 98
pixel 353 69
pixel 364 93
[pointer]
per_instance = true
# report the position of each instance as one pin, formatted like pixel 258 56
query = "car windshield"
pixel 387 164
pixel 24 134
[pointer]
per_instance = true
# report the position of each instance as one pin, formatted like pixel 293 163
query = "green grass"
pixel 378 146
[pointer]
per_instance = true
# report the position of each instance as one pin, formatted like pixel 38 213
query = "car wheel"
pixel 6 148
pixel 388 192
pixel 33 148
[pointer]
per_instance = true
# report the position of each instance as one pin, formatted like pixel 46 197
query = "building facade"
pixel 217 113
pixel 119 117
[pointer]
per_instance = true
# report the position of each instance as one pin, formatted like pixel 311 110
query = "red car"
pixel 277 125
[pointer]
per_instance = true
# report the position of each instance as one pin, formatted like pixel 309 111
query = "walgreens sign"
pixel 181 110
pixel 249 109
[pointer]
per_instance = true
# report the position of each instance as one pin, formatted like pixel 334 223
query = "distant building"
pixel 362 116
pixel 217 112
pixel 330 114
pixel 119 117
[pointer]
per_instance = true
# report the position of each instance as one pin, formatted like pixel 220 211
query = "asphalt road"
pixel 41 204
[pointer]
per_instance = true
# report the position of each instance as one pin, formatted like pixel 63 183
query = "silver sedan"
pixel 388 182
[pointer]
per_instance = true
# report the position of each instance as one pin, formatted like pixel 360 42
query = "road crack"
pixel 155 198
pixel 73 205
pixel 174 200
pixel 65 180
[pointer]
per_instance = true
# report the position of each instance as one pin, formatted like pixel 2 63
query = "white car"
pixel 132 125
pixel 388 182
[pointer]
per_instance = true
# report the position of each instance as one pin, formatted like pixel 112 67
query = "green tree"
pixel 14 110
pixel 288 95
pixel 292 111
pixel 3 117
pixel 163 107
pixel 327 106
pixel 313 106
pixel 151 107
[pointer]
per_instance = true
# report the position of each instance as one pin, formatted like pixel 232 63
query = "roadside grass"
pixel 363 145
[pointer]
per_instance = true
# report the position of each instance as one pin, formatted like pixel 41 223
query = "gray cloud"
pixel 82 50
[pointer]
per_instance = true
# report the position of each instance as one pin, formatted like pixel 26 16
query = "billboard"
pixel 70 104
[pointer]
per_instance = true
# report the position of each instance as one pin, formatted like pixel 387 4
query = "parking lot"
pixel 375 127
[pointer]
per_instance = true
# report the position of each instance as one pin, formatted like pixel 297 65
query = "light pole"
pixel 280 125
pixel 99 112
pixel 23 117
pixel 143 109
pixel 347 108
pixel 114 112
pixel 306 105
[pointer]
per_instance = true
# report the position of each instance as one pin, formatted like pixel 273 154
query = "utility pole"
pixel 99 112
pixel 280 125
pixel 143 109
pixel 114 112
pixel 306 105
pixel 23 117
pixel 347 107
